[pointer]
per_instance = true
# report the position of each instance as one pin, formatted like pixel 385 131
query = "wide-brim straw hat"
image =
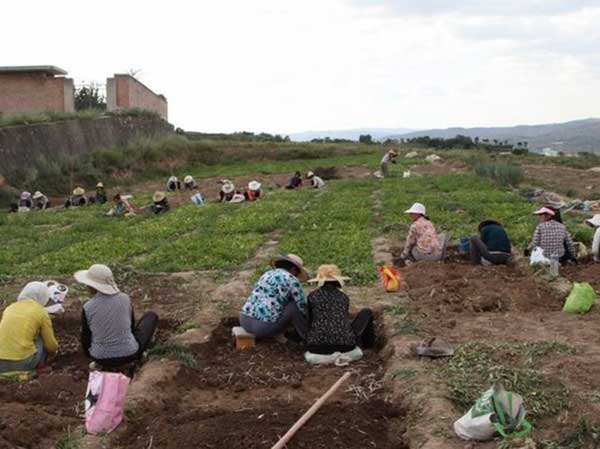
pixel 228 188
pixel 254 185
pixel 99 185
pixel 545 211
pixel 416 208
pixel 25 195
pixel 158 197
pixel 99 277
pixel 188 179
pixel 37 195
pixel 393 152
pixel 594 221
pixel 310 174
pixel 78 191
pixel 294 260
pixel 329 273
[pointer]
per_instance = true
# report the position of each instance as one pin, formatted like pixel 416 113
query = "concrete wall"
pixel 125 92
pixel 23 145
pixel 35 92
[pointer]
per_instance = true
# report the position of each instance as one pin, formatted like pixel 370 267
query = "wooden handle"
pixel 310 412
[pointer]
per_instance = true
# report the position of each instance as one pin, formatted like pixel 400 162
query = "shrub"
pixel 501 173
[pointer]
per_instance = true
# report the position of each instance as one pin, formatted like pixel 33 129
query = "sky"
pixel 284 66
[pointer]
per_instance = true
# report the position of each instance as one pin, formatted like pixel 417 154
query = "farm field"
pixel 195 268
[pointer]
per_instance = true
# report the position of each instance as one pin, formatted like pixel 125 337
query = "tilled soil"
pixel 588 271
pixel 248 399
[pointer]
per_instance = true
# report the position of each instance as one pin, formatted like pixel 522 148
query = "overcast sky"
pixel 293 65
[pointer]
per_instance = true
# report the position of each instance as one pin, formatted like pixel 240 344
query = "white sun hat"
pixel 37 195
pixel 99 277
pixel 310 174
pixel 254 185
pixel 188 179
pixel 416 208
pixel 228 188
pixel 594 221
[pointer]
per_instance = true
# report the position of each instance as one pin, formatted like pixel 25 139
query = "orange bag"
pixel 390 277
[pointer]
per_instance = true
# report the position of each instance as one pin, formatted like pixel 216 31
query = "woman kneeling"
pixel 109 335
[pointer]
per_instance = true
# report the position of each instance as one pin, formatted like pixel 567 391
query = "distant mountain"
pixel 569 137
pixel 349 134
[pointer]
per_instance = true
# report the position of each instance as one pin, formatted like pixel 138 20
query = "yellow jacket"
pixel 21 323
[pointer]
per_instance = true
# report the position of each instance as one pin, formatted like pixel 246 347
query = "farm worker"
pixel 422 242
pixel 277 299
pixel 26 334
pixel 594 222
pixel 101 197
pixel 173 184
pixel 197 198
pixel 121 207
pixel 109 335
pixel 295 181
pixel 492 244
pixel 552 236
pixel 25 202
pixel 329 328
pixel 160 203
pixel 315 181
pixel 189 183
pixel 78 198
pixel 390 156
pixel 227 190
pixel 41 201
pixel 254 191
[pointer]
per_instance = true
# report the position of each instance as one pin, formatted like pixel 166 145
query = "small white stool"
pixel 243 339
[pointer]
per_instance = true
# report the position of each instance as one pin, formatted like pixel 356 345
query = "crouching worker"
pixel 422 242
pixel 122 208
pixel 254 191
pixel 109 335
pixel 41 201
pixel 78 198
pixel 594 222
pixel 277 300
pixel 553 237
pixel 160 203
pixel 295 181
pixel 26 334
pixel 330 332
pixel 491 245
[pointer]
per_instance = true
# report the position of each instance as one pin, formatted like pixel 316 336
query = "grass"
pixel 48 117
pixel 585 435
pixel 475 367
pixel 72 440
pixel 175 352
pixel 508 175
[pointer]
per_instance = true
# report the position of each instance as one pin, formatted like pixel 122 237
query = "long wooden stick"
pixel 310 412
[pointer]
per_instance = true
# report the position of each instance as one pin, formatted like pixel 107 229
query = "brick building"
pixel 126 92
pixel 30 89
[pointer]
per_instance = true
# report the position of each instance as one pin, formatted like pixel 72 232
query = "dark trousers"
pixel 266 329
pixel 143 333
pixel 364 329
pixel 479 250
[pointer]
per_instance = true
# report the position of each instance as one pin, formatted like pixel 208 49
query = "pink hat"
pixel 545 210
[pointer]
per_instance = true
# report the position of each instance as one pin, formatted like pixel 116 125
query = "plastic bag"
pixel 497 410
pixel 105 401
pixel 390 277
pixel 537 257
pixel 581 299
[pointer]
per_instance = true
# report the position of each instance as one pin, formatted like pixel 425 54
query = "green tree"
pixel 365 138
pixel 89 97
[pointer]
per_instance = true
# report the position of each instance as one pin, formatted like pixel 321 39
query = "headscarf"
pixel 36 291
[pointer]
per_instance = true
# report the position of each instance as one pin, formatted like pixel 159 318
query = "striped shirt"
pixel 552 236
pixel 110 321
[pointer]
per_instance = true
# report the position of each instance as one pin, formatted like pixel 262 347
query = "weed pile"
pixel 475 367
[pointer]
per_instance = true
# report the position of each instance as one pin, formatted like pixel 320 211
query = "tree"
pixel 89 97
pixel 365 138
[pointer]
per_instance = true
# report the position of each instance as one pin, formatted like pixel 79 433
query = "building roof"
pixel 47 69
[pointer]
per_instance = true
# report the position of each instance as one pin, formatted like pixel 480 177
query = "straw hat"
pixel 393 153
pixel 329 273
pixel 78 191
pixel 99 277
pixel 545 211
pixel 594 221
pixel 99 185
pixel 416 208
pixel 254 186
pixel 188 179
pixel 158 197
pixel 228 188
pixel 296 261
pixel 37 195
pixel 25 195
pixel 310 174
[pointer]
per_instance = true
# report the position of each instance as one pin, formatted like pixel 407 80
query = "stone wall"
pixel 126 92
pixel 35 92
pixel 24 144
